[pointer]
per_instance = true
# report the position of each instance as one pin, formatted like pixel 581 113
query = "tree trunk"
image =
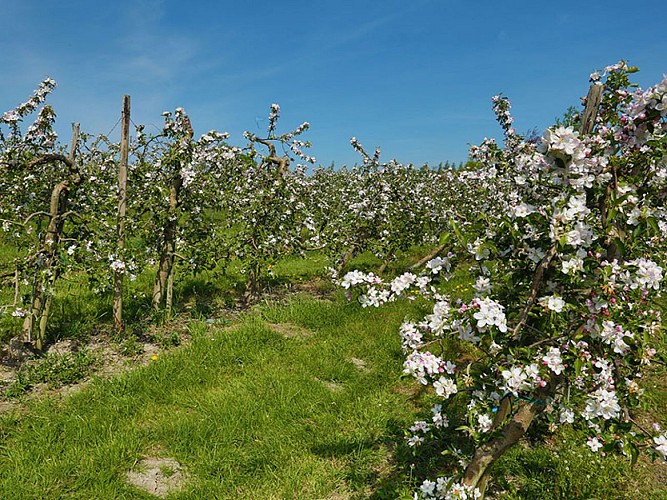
pixel 47 264
pixel 170 291
pixel 477 473
pixel 349 253
pixel 168 252
pixel 252 286
pixel 165 267
pixel 17 288
pixel 47 260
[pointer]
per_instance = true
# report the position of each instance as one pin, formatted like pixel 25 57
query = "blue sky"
pixel 413 77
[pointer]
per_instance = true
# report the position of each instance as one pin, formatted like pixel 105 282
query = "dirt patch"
pixel 320 288
pixel 360 364
pixel 7 374
pixel 157 476
pixel 290 330
pixel 7 406
pixel 331 385
pixel 111 358
pixel 62 347
pixel 336 495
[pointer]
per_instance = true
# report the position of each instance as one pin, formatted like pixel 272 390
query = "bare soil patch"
pixel 157 476
pixel 360 364
pixel 111 358
pixel 331 385
pixel 290 330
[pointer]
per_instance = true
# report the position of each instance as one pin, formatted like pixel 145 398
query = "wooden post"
pixel 122 208
pixel 593 100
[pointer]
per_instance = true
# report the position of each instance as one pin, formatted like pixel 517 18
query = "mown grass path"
pixel 302 400
pixel 296 401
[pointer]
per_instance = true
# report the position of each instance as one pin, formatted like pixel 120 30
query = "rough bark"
pixel 122 209
pixel 593 100
pixel 477 473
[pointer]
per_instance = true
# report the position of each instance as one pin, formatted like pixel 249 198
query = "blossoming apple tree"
pixel 267 216
pixel 36 181
pixel 565 319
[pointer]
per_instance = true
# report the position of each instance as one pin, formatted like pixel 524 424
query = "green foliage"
pixel 569 119
pixel 568 472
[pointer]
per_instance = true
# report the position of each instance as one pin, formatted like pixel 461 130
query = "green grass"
pixel 249 412
pixel 565 471
pixel 300 398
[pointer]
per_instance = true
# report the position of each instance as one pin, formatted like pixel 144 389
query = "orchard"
pixel 563 238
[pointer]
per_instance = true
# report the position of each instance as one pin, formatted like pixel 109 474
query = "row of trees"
pixel 567 234
pixel 191 203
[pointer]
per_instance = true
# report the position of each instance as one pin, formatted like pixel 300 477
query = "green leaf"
pixel 653 224
pixel 444 238
pixel 634 453
pixel 611 214
pixel 457 232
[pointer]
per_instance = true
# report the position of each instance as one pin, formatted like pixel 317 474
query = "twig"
pixel 537 280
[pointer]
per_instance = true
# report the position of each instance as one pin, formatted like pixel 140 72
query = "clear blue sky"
pixel 414 77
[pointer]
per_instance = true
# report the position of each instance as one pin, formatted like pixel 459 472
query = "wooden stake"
pixel 593 100
pixel 122 209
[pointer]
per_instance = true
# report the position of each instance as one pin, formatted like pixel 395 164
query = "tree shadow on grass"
pixel 385 468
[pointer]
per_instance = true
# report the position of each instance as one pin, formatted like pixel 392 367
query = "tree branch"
pixel 537 281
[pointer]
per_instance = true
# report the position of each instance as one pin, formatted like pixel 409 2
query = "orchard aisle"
pixel 296 401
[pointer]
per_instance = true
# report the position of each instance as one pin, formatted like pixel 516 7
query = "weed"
pixel 167 339
pixel 55 370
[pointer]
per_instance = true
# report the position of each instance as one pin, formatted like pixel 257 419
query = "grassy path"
pixel 297 401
